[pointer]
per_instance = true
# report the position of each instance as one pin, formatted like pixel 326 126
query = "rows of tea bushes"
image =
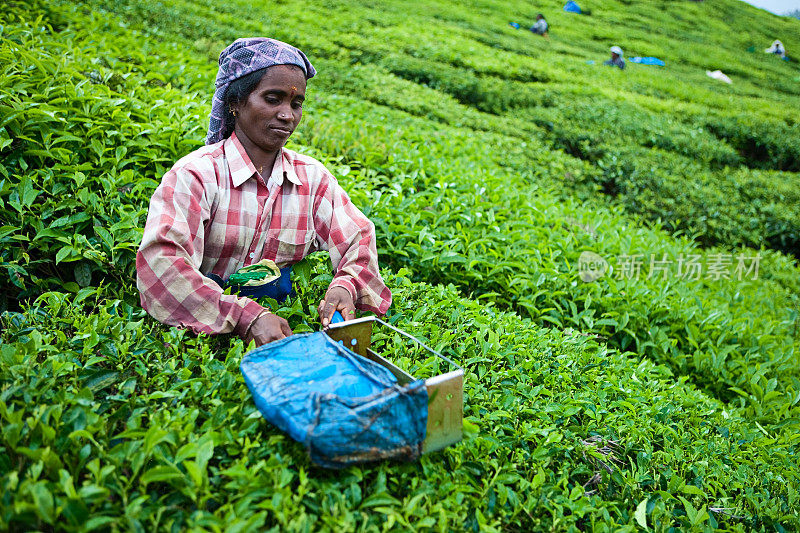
pixel 689 198
pixel 450 211
pixel 597 118
pixel 677 109
pixel 447 211
pixel 112 422
pixel 510 82
pixel 604 126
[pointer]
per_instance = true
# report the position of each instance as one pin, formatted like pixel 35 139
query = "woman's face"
pixel 273 110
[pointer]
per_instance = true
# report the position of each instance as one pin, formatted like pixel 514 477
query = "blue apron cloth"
pixel 277 290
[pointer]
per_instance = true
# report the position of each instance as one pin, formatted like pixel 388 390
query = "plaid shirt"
pixel 214 213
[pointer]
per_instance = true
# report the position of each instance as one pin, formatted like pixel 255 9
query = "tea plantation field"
pixel 664 395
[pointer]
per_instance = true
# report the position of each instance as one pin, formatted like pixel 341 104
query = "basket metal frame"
pixel 445 391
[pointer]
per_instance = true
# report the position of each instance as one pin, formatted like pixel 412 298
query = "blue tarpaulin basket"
pixel 648 61
pixel 347 404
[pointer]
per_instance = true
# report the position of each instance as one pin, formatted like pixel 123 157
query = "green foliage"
pixel 111 421
pixel 456 216
pixel 520 85
pixel 768 145
pixel 691 199
pixel 622 403
pixel 488 94
pixel 83 139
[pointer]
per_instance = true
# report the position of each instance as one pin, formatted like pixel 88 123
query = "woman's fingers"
pixel 268 328
pixel 328 307
pixel 322 310
pixel 336 299
pixel 285 329
pixel 347 309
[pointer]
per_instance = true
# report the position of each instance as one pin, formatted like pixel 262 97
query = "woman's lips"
pixel 280 130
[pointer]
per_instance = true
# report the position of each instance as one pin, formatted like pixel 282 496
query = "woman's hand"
pixel 267 328
pixel 336 299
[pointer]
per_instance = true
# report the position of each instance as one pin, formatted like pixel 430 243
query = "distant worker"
pixel 616 58
pixel 777 49
pixel 540 26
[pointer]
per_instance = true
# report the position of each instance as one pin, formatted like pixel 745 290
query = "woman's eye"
pixel 272 100
pixel 297 105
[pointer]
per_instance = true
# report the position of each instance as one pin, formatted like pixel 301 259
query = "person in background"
pixel 244 200
pixel 540 26
pixel 777 48
pixel 616 58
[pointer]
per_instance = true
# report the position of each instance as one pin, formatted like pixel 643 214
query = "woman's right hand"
pixel 267 328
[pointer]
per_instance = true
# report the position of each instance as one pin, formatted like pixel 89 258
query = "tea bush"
pixel 521 82
pixel 77 130
pixel 767 145
pixel 450 213
pixel 768 202
pixel 112 421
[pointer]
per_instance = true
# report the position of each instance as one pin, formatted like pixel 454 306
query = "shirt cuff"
pixel 250 312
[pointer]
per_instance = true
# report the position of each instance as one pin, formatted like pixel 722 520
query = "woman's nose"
pixel 285 113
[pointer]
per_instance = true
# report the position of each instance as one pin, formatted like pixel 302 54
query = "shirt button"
pixel 252 255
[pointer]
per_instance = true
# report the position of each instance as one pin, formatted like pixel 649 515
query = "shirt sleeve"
pixel 349 237
pixel 172 288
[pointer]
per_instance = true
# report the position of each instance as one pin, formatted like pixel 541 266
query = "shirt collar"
pixel 242 168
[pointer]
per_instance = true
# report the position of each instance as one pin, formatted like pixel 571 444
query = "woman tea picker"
pixel 244 199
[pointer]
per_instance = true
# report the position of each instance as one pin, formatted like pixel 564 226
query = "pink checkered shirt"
pixel 214 213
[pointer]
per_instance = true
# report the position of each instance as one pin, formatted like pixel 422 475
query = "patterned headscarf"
pixel 240 59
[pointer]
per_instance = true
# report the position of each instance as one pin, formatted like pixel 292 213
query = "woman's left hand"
pixel 336 299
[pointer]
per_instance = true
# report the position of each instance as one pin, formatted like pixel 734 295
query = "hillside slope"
pixel 426 171
pixel 646 132
pixel 111 421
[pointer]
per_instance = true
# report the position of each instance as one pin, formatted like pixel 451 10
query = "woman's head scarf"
pixel 240 59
